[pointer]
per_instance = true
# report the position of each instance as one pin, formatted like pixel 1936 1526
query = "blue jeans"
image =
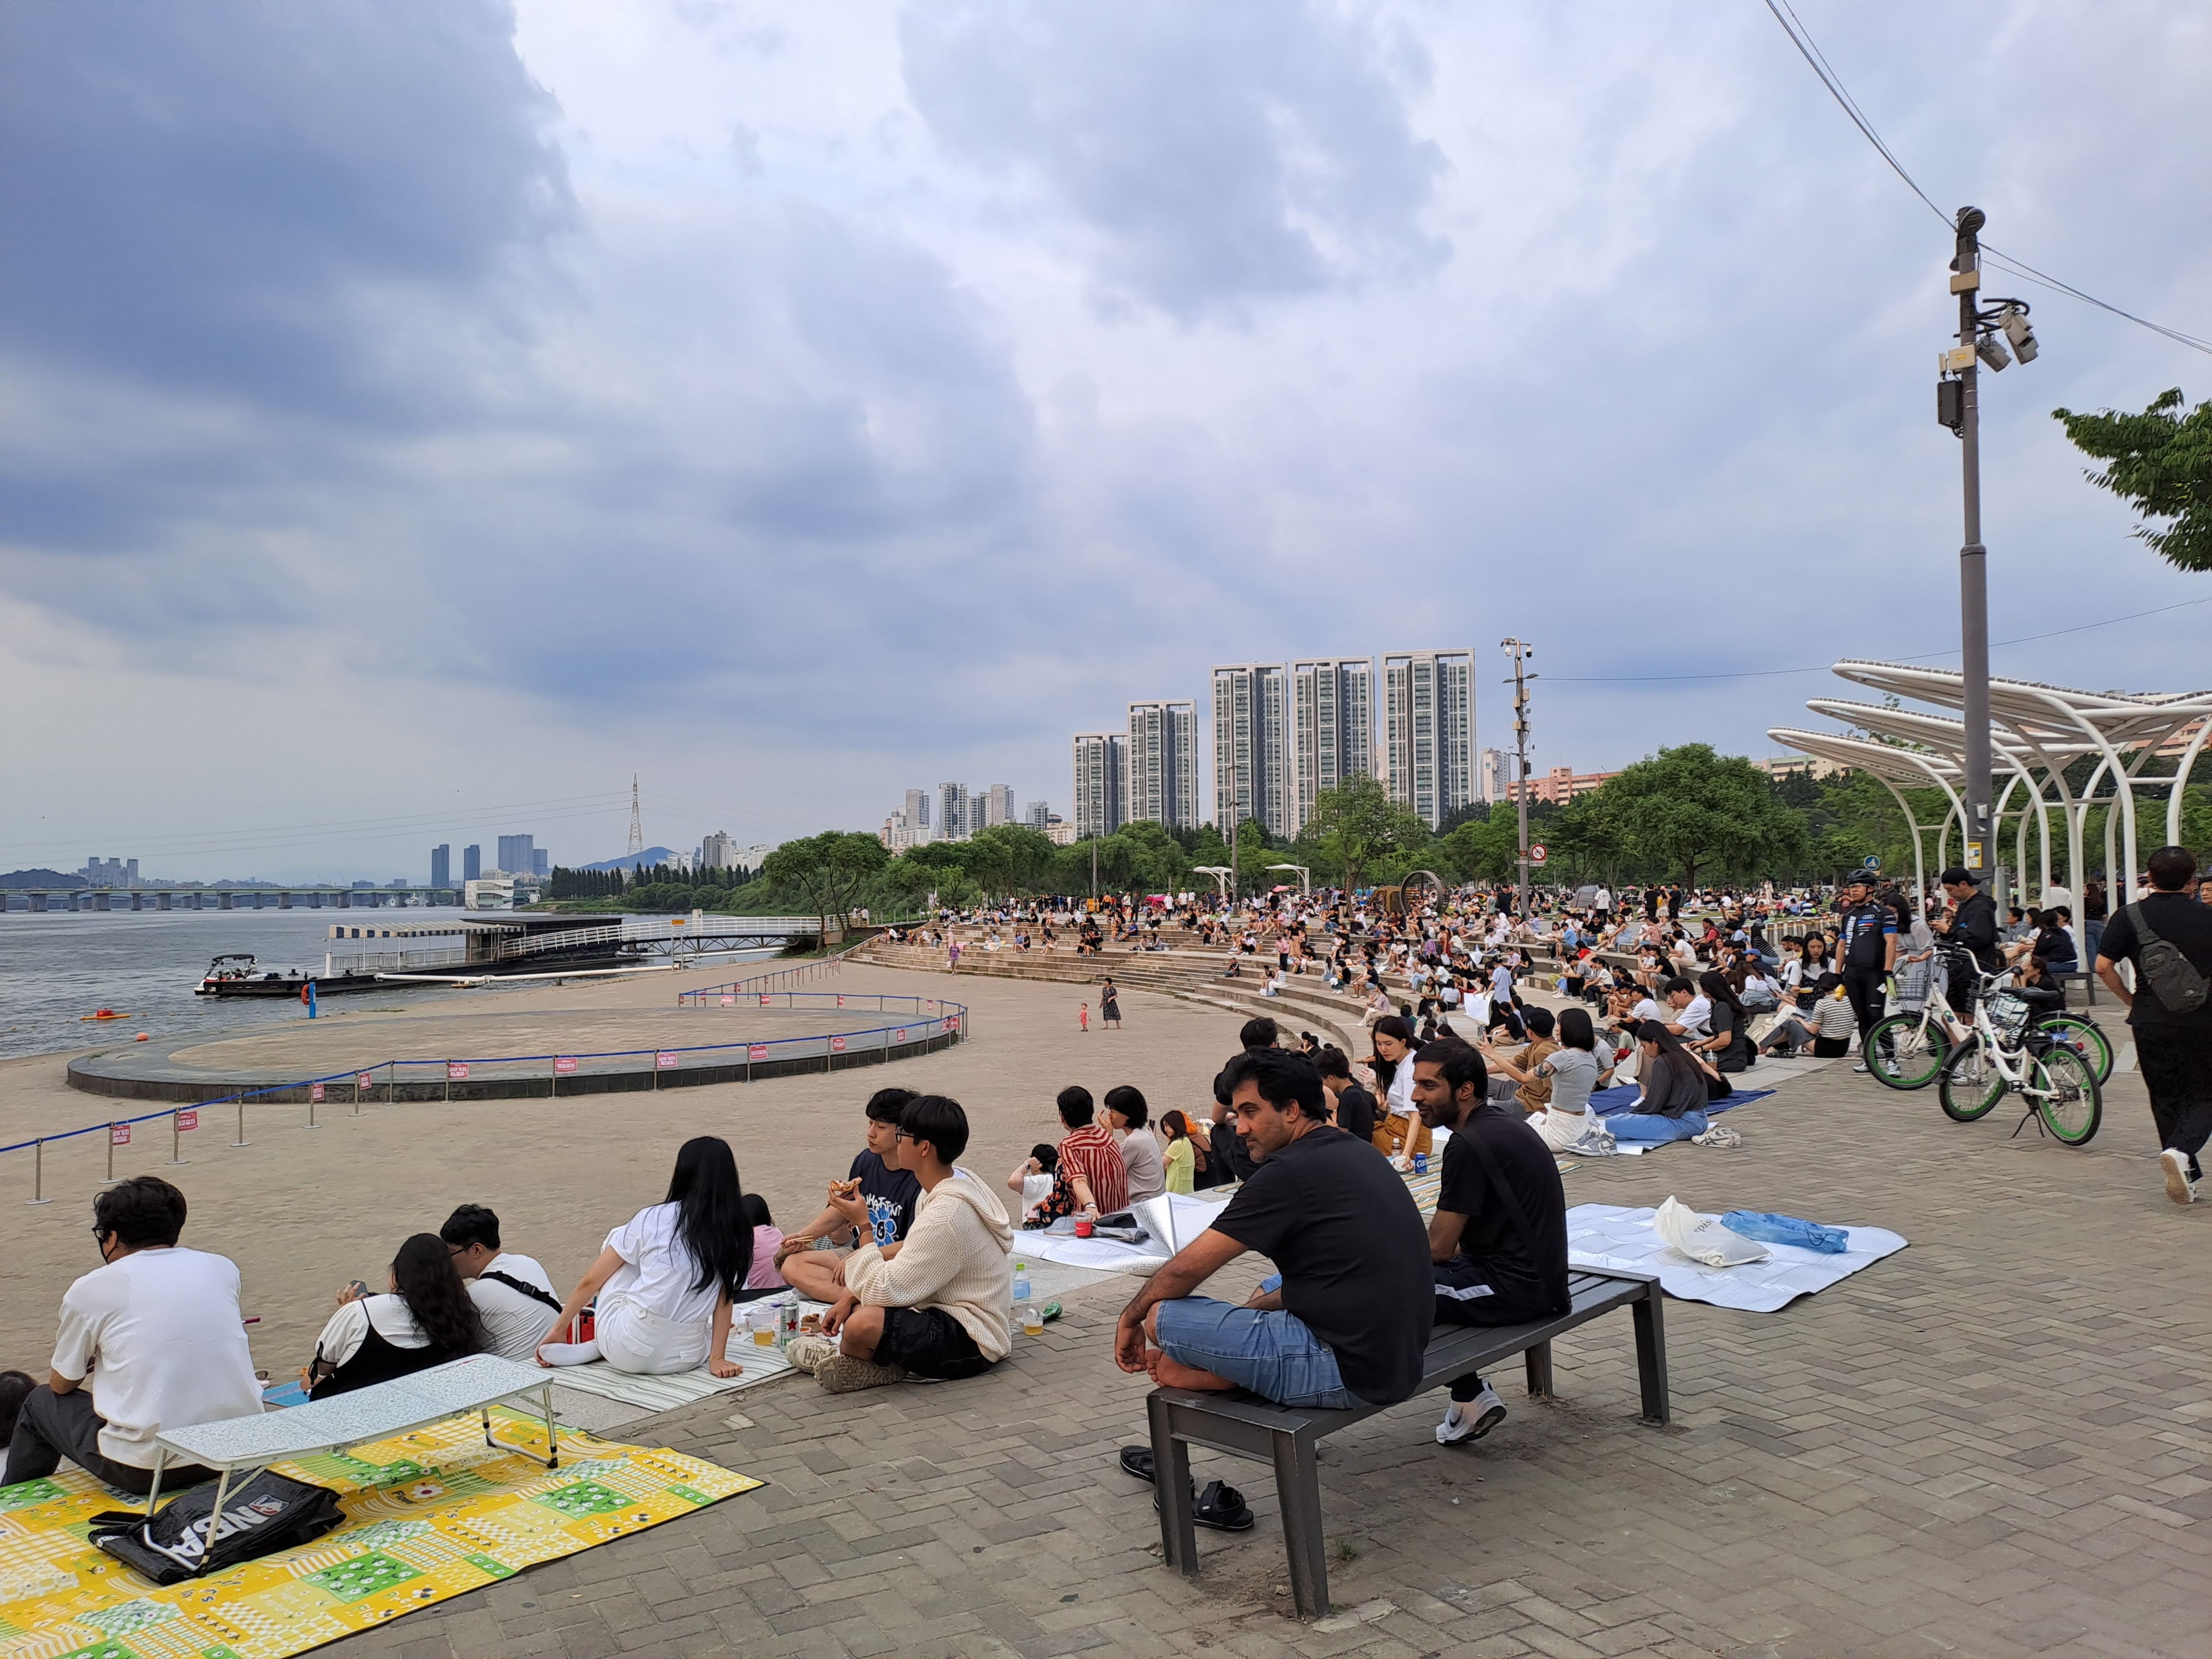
pixel 1651 1129
pixel 1273 1352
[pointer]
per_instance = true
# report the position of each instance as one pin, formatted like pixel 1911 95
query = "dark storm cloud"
pixel 206 195
pixel 1219 153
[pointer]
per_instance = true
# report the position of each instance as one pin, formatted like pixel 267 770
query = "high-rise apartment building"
pixel 1100 776
pixel 441 864
pixel 952 823
pixel 1494 776
pixel 541 861
pixel 1251 745
pixel 1332 729
pixel 1162 760
pixel 1037 814
pixel 517 855
pixel 917 809
pixel 997 803
pixel 1429 731
pixel 471 862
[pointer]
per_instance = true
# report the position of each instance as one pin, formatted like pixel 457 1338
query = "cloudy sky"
pixel 416 417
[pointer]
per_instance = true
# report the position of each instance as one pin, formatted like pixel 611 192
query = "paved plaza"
pixel 1990 1444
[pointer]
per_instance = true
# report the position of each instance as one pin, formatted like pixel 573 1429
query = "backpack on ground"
pixel 2181 988
pixel 270 1512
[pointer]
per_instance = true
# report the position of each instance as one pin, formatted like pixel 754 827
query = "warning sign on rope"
pixel 189 1118
pixel 314 1092
pixel 836 1045
pixel 456 1070
pixel 758 1051
pixel 118 1134
pixel 665 1062
pixel 564 1063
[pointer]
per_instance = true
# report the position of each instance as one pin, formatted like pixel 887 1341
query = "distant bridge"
pixel 227 899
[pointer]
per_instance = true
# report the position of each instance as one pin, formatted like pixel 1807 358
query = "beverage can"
pixel 1420 1164
pixel 787 1320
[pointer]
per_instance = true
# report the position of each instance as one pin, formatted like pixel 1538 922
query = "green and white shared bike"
pixel 2010 1049
pixel 1907 1050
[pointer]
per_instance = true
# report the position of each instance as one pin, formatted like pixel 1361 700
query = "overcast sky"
pixel 416 417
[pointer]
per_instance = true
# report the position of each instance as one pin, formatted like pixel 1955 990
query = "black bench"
pixel 1247 1427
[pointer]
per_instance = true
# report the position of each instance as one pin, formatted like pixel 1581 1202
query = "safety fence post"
pixel 110 1182
pixel 241 1141
pixel 38 1175
pixel 176 1142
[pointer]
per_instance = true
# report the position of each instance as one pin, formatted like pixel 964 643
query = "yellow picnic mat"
pixel 429 1516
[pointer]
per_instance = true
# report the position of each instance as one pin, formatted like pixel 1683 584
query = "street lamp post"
pixel 1958 406
pixel 1520 650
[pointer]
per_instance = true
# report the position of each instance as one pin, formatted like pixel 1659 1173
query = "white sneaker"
pixel 2179 1186
pixel 1473 1420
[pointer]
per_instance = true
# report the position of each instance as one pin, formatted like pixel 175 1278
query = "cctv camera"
pixel 2013 321
pixel 1992 351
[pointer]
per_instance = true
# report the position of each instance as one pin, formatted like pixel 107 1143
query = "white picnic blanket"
pixel 1608 1236
pixel 1193 1213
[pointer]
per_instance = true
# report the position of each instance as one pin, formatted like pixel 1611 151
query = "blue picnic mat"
pixel 1610 1103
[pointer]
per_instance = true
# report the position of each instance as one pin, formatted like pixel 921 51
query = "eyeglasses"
pixel 901 1134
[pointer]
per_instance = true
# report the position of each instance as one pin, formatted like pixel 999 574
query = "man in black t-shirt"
pixel 2174 1046
pixel 1973 929
pixel 891 1194
pixel 1866 951
pixel 1500 1257
pixel 1347 1320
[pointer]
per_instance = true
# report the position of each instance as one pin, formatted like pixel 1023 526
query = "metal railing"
pixel 933 1023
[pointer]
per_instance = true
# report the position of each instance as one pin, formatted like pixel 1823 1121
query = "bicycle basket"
pixel 2009 1012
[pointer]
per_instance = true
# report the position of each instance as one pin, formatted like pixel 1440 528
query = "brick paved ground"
pixel 1991 1445
pixel 1987 1446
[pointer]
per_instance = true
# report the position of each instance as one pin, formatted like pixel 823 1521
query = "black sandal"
pixel 1220 1506
pixel 1136 1461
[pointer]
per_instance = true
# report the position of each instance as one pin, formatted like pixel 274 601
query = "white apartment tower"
pixel 952 819
pixel 1429 731
pixel 917 809
pixel 1332 729
pixel 1101 774
pixel 1251 746
pixel 1162 760
pixel 998 802
pixel 1496 769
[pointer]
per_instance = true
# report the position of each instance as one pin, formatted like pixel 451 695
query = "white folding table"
pixel 376 1413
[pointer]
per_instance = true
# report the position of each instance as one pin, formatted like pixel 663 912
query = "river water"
pixel 57 966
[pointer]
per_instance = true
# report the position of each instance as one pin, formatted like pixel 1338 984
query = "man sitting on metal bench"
pixel 1499 1242
pixel 1347 1320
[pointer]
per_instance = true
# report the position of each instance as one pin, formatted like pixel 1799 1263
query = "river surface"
pixel 57 966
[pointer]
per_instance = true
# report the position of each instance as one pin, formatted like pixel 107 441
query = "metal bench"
pixel 1247 1427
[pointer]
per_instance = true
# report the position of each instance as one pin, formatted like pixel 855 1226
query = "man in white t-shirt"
pixel 514 1294
pixel 158 1333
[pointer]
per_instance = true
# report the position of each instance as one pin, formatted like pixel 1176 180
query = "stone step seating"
pixel 1186 972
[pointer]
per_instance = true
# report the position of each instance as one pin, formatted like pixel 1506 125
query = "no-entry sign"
pixel 1536 852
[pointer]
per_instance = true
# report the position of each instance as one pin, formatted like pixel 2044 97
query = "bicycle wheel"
pixel 2067 1094
pixel 1969 1086
pixel 1916 1051
pixel 2084 1037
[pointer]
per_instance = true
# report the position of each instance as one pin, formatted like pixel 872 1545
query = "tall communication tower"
pixel 637 822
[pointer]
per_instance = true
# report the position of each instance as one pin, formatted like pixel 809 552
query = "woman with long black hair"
pixel 1728 1047
pixel 665 1279
pixel 426 1319
pixel 1673 1104
pixel 1399 1132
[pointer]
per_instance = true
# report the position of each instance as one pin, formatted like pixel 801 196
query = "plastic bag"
pixel 1702 1238
pixel 1787 1229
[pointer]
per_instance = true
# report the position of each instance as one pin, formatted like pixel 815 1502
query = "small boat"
pixel 231 974
pixel 103 1013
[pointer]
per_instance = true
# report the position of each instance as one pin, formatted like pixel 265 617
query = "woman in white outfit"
pixel 666 1277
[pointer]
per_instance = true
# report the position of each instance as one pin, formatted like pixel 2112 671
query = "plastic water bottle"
pixel 1026 1311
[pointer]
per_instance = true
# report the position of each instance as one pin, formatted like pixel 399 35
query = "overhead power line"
pixel 1808 49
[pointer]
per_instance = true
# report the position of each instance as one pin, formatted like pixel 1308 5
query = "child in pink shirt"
pixel 767 1238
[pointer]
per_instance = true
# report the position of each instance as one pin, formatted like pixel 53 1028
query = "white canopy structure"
pixel 2038 731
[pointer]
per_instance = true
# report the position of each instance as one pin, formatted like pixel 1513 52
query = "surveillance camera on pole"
pixel 1983 331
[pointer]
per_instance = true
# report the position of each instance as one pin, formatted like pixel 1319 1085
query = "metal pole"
pixel 241 1141
pixel 38 1175
pixel 111 1155
pixel 1973 556
pixel 176 1142
pixel 1520 751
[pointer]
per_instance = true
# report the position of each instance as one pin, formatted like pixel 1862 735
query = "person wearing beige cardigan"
pixel 940 1308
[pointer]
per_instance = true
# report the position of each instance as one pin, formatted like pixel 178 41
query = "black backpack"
pixel 270 1512
pixel 2181 988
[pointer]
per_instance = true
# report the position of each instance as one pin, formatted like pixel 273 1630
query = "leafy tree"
pixel 1688 809
pixel 2161 461
pixel 1359 825
pixel 829 871
pixel 1480 849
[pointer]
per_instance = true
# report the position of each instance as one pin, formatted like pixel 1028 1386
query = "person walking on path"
pixel 2168 938
pixel 1110 1006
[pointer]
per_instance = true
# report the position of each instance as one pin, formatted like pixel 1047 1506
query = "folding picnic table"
pixel 379 1412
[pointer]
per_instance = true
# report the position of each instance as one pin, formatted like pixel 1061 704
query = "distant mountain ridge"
pixel 39 880
pixel 652 855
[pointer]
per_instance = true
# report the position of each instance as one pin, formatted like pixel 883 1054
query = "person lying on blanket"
pixel 874 1203
pixel 1346 1319
pixel 1499 1242
pixel 939 1309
